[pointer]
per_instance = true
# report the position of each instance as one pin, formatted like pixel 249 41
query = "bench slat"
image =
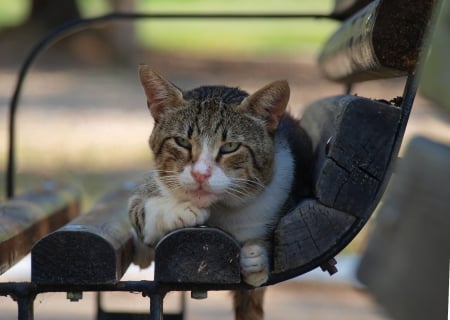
pixel 352 140
pixel 306 233
pixel 198 256
pixel 95 248
pixel 28 217
pixel 383 40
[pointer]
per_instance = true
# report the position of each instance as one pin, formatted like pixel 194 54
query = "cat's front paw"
pixel 143 255
pixel 163 216
pixel 254 264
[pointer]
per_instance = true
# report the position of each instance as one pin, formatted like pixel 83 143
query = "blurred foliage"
pixel 212 36
pixel 13 12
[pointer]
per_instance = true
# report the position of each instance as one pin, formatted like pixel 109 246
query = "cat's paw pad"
pixel 254 264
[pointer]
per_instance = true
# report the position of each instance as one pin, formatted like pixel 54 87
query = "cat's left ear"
pixel 161 94
pixel 268 103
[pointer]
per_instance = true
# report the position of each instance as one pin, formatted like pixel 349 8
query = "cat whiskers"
pixel 239 188
pixel 248 182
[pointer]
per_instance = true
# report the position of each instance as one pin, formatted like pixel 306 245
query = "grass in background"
pixel 267 36
pixel 220 37
pixel 270 36
pixel 12 12
pixel 233 37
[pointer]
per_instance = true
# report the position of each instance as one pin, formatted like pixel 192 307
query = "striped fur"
pixel 220 160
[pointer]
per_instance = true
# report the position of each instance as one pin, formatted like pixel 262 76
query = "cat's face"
pixel 213 144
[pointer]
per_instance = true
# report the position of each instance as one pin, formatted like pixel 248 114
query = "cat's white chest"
pixel 252 220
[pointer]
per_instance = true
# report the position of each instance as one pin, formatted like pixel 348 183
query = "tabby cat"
pixel 225 159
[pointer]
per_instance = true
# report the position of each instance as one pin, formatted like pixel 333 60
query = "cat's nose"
pixel 202 169
pixel 200 176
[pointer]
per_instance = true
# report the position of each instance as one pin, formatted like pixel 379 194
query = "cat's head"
pixel 213 144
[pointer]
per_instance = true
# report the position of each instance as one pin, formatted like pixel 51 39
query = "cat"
pixel 226 159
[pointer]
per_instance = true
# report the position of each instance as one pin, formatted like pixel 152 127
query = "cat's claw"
pixel 163 216
pixel 254 264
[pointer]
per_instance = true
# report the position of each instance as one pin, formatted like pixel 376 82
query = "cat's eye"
pixel 183 142
pixel 229 147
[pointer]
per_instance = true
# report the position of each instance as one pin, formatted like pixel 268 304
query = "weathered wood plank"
pixel 352 140
pixel 306 233
pixel 199 256
pixel 382 40
pixel 28 217
pixel 405 265
pixel 95 248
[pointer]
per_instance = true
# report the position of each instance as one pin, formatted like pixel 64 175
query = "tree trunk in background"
pixel 48 14
pixel 112 43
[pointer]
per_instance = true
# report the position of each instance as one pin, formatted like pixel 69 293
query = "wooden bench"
pixel 95 248
pixel 406 263
pixel 354 141
pixel 26 218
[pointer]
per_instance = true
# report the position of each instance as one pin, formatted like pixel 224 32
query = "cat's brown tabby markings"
pixel 223 158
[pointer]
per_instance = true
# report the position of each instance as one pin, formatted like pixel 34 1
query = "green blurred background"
pixel 238 37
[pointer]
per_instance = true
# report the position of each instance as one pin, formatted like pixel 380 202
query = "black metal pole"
pixel 25 307
pixel 156 306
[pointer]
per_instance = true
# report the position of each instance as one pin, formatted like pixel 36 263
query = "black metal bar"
pixel 182 306
pixel 346 8
pixel 17 289
pixel 409 94
pixel 25 306
pixel 156 306
pixel 23 294
pixel 81 24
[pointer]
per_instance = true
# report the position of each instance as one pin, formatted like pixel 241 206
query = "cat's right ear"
pixel 161 94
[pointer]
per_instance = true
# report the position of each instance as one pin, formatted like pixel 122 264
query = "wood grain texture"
pixel 306 233
pixel 95 248
pixel 198 256
pixel 352 141
pixel 28 217
pixel 382 40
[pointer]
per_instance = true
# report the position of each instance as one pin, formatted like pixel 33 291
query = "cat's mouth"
pixel 202 198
